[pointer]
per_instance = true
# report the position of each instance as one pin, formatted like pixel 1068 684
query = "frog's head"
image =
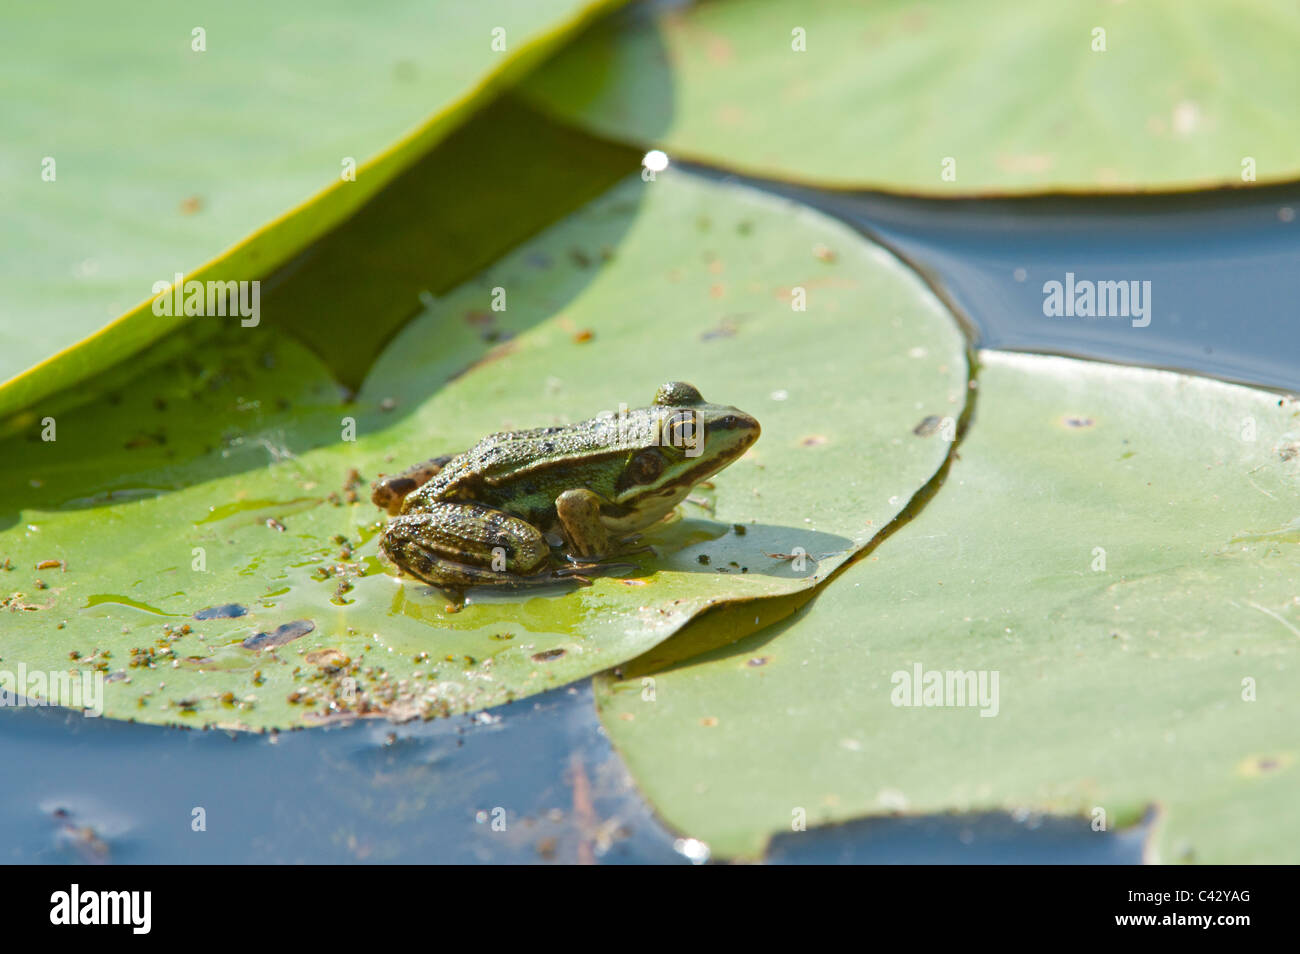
pixel 692 441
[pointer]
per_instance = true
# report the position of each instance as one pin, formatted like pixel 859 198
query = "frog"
pixel 556 503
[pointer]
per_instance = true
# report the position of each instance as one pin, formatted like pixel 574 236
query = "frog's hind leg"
pixel 455 545
pixel 389 491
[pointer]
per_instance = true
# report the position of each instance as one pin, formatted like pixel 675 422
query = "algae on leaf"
pixel 835 346
pixel 1114 558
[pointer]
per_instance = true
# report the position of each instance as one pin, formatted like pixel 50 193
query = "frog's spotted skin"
pixel 517 505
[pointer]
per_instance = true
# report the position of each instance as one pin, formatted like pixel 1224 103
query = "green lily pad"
pixel 1009 94
pixel 455 211
pixel 221 163
pixel 1120 546
pixel 155 520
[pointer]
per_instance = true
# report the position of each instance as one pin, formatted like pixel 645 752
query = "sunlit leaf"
pixel 945 98
pixel 130 154
pixel 671 278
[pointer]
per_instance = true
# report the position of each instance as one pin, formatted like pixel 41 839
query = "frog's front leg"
pixel 389 491
pixel 579 513
pixel 457 545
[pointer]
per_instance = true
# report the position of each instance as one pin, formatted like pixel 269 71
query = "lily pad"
pixel 1119 547
pixel 131 154
pixel 148 522
pixel 442 221
pixel 1010 96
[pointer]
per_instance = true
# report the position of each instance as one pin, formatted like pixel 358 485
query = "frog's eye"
pixel 678 394
pixel 683 430
pixel 645 467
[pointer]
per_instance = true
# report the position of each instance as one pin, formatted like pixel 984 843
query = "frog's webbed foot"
pixel 628 546
pixel 570 575
pixel 576 573
pixel 626 550
pixel 578 570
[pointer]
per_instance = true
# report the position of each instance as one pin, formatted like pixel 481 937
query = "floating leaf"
pixel 1007 96
pixel 1119 547
pixel 137 155
pixel 158 519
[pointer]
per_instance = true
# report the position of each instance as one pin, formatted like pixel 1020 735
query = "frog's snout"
pixel 729 435
pixel 735 427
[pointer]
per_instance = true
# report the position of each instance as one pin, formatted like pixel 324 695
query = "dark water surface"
pixel 1223 270
pixel 1223 267
pixel 531 781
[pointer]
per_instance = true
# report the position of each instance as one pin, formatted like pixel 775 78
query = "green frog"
pixel 549 504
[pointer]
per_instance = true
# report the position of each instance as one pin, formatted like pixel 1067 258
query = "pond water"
pixel 1222 267
pixel 537 780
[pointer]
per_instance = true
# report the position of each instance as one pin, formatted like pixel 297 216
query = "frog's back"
pixel 526 470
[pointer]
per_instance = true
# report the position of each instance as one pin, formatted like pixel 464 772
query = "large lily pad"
pixel 168 159
pixel 676 277
pixel 886 95
pixel 1163 670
